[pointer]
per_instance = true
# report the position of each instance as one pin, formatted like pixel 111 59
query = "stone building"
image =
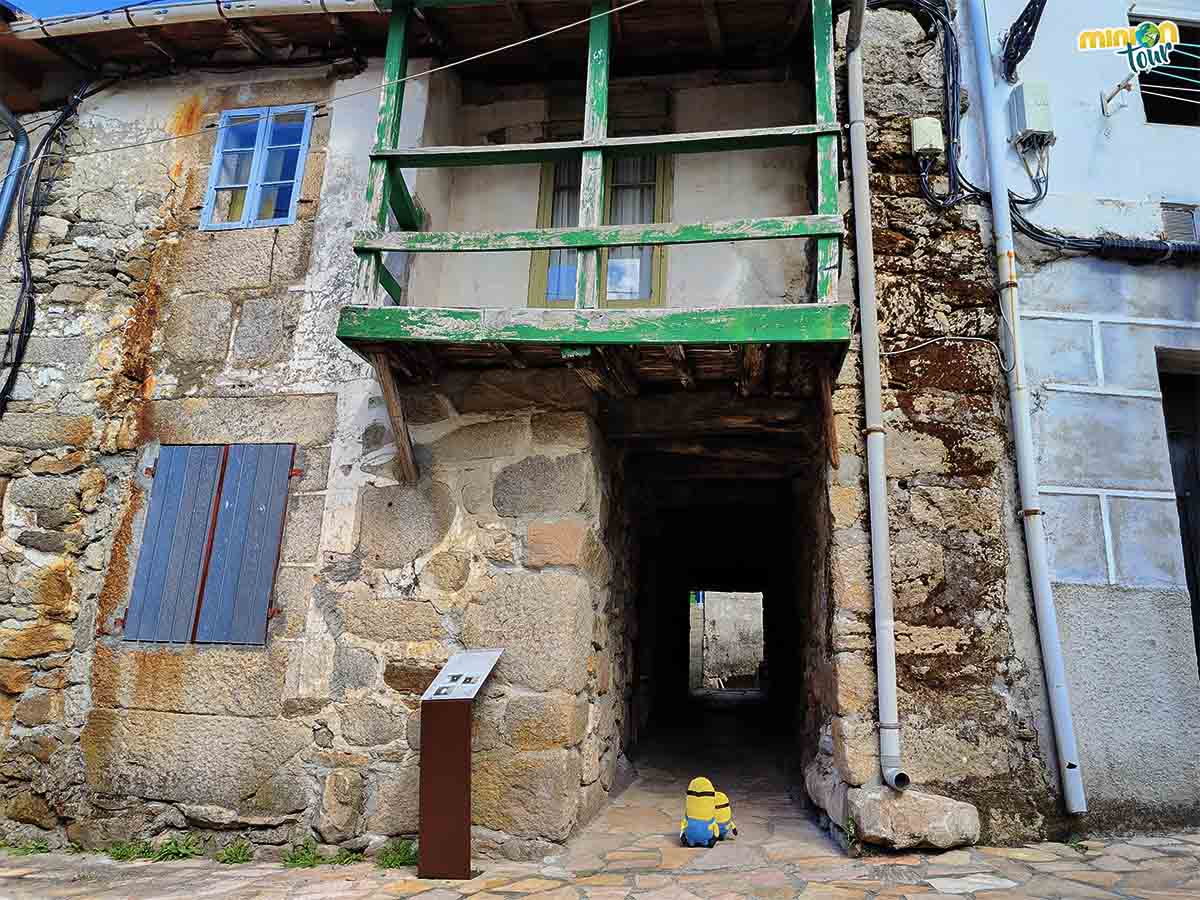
pixel 262 475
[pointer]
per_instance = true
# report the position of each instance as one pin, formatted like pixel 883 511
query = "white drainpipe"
pixel 176 12
pixel 881 557
pixel 1018 390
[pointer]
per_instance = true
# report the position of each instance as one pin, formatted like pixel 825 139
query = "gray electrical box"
pixel 927 137
pixel 1029 115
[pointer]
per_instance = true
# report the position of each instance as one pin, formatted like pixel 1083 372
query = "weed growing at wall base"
pixel 122 851
pixel 30 848
pixel 396 855
pixel 303 856
pixel 235 853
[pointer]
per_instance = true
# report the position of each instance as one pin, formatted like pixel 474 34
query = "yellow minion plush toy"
pixel 724 816
pixel 699 825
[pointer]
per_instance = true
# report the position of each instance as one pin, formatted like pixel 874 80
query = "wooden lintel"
pixel 713 23
pixel 705 413
pixel 752 380
pixel 682 365
pixel 406 463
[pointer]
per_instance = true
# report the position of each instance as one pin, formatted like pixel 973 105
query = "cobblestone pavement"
pixel 631 851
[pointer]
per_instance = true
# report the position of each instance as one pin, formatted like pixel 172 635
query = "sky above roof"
pixel 42 8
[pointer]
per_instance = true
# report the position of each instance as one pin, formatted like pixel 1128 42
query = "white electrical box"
pixel 1029 115
pixel 927 137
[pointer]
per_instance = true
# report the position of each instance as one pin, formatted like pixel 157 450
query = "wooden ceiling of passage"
pixel 659 36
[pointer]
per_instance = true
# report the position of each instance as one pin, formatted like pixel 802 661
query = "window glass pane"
pixel 240 132
pixel 275 202
pixel 564 213
pixel 281 165
pixel 228 205
pixel 235 167
pixel 286 128
pixel 630 269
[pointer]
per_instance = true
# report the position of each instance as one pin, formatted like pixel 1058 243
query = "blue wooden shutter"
pixel 166 586
pixel 245 551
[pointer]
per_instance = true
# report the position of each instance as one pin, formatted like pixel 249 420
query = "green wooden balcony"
pixel 779 350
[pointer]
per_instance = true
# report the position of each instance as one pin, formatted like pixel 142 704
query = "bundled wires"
pixel 1019 39
pixel 31 198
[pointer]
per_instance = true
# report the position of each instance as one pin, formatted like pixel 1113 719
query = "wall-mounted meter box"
pixel 1029 115
pixel 927 137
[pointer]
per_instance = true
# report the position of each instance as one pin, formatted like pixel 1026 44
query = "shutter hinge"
pixel 273 612
pixel 149 471
pixel 295 473
pixel 119 624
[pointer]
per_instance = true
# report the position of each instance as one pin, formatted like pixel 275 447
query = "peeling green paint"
pixel 600 236
pixel 783 323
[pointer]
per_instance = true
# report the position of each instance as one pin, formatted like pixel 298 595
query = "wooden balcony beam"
pixel 369 329
pixel 551 151
pixel 829 226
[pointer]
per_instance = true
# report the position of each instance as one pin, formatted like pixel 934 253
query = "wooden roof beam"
pixel 752 380
pixel 681 364
pixel 252 40
pixel 520 20
pixel 713 23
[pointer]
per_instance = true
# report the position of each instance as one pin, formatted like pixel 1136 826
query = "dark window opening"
pixel 1171 93
pixel 210 545
pixel 1181 408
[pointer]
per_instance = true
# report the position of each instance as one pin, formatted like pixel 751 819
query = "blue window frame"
pixel 257 167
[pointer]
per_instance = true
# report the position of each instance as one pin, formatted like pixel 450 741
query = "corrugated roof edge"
pixel 174 12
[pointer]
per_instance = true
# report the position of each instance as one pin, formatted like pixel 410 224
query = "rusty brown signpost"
pixel 445 795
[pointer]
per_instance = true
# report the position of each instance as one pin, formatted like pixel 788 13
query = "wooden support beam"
pixel 406 463
pixel 829 248
pixel 251 40
pixel 589 288
pixel 519 19
pixel 509 353
pixel 795 24
pixel 752 380
pixel 777 367
pixel 713 23
pixel 683 367
pixel 622 372
pixel 780 324
pixel 369 274
pixel 599 236
pixel 828 419
pixel 552 151
pixel 437 35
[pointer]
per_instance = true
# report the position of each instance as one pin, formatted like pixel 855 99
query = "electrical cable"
pixel 1019 39
pixel 324 103
pixel 29 208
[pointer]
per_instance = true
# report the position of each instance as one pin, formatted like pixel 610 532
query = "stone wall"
pixel 152 332
pixel 970 688
pixel 733 639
